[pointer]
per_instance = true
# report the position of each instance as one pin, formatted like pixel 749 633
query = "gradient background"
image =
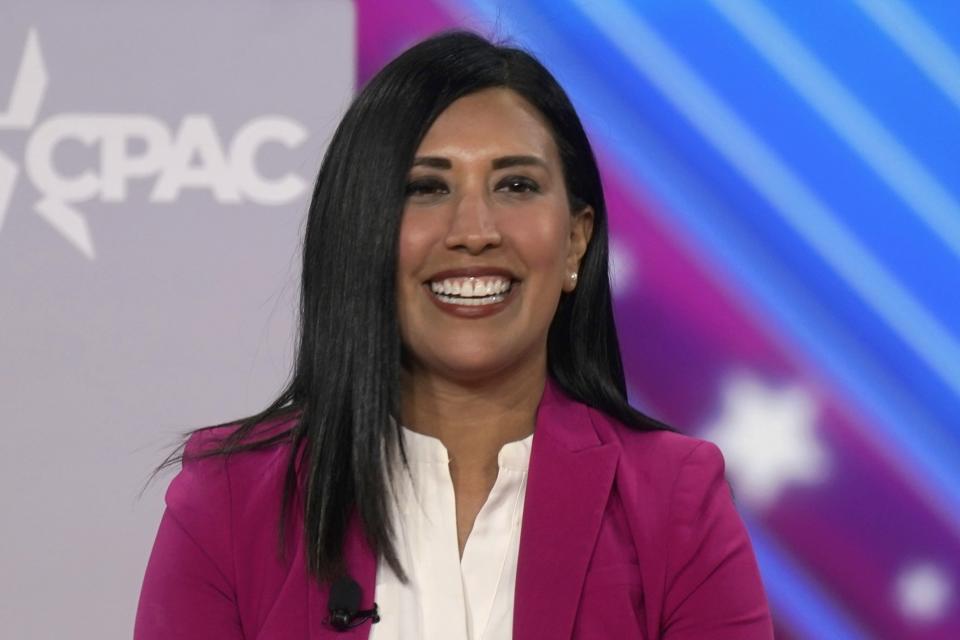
pixel 782 181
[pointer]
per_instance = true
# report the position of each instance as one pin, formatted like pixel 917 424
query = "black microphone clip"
pixel 344 603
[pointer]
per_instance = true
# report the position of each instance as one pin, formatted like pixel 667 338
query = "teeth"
pixel 471 302
pixel 471 291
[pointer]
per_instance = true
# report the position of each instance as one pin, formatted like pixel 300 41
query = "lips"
pixel 443 288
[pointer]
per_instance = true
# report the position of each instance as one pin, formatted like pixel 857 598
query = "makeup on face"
pixel 485 238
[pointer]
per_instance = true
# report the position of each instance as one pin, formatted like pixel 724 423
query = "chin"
pixel 473 368
pixel 470 366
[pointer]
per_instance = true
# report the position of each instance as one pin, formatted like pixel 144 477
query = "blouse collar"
pixel 423 448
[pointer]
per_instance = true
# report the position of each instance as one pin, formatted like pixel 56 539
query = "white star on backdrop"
pixel 768 439
pixel 923 592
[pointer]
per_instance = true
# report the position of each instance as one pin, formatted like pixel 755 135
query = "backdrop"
pixel 783 190
pixel 156 161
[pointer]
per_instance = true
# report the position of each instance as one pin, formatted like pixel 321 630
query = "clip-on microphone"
pixel 344 604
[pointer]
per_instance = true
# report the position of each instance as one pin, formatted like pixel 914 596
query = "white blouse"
pixel 449 597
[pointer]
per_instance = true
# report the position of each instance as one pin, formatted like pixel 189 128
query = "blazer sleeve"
pixel 188 590
pixel 713 589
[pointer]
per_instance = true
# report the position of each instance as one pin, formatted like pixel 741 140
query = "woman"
pixel 455 437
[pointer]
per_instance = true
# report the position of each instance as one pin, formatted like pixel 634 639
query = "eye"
pixel 519 184
pixel 425 187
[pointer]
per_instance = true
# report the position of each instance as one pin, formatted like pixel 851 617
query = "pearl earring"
pixel 573 276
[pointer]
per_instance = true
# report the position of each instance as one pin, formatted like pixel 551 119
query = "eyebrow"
pixel 502 162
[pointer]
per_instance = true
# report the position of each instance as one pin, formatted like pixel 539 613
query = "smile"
pixel 471 291
pixel 473 296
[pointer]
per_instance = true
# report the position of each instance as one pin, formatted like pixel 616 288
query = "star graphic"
pixel 21 114
pixel 768 438
pixel 923 592
pixel 29 88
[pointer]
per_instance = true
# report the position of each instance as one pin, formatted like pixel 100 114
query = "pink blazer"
pixel 625 534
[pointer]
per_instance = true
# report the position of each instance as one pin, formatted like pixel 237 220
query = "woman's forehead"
pixel 487 124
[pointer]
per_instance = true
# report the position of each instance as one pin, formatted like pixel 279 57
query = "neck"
pixel 473 419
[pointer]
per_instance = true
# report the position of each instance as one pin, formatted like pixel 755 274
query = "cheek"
pixel 413 242
pixel 418 236
pixel 542 242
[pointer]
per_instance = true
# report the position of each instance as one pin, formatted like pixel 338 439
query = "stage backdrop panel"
pixel 156 163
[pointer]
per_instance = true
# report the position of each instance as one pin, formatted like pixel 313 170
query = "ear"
pixel 581 229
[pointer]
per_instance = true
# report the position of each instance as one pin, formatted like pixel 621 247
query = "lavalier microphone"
pixel 344 605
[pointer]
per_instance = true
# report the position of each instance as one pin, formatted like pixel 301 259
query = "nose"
pixel 473 226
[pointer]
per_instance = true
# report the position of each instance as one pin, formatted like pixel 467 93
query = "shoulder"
pixel 689 533
pixel 208 439
pixel 208 485
pixel 658 453
pixel 665 478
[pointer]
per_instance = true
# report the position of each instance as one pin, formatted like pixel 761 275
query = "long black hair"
pixel 345 385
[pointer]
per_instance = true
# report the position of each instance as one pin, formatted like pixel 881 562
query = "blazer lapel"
pixel 361 565
pixel 568 482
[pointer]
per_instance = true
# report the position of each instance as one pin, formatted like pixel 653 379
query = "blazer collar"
pixel 569 479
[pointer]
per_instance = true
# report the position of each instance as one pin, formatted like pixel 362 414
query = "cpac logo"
pixel 190 157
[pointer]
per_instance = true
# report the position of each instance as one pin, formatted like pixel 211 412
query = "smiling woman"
pixel 454 456
pixel 487 232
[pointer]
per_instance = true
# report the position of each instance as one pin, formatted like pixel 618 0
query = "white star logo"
pixel 767 436
pixel 26 99
pixel 228 169
pixel 29 88
pixel 923 592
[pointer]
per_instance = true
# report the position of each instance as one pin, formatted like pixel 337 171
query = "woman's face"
pixel 487 240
